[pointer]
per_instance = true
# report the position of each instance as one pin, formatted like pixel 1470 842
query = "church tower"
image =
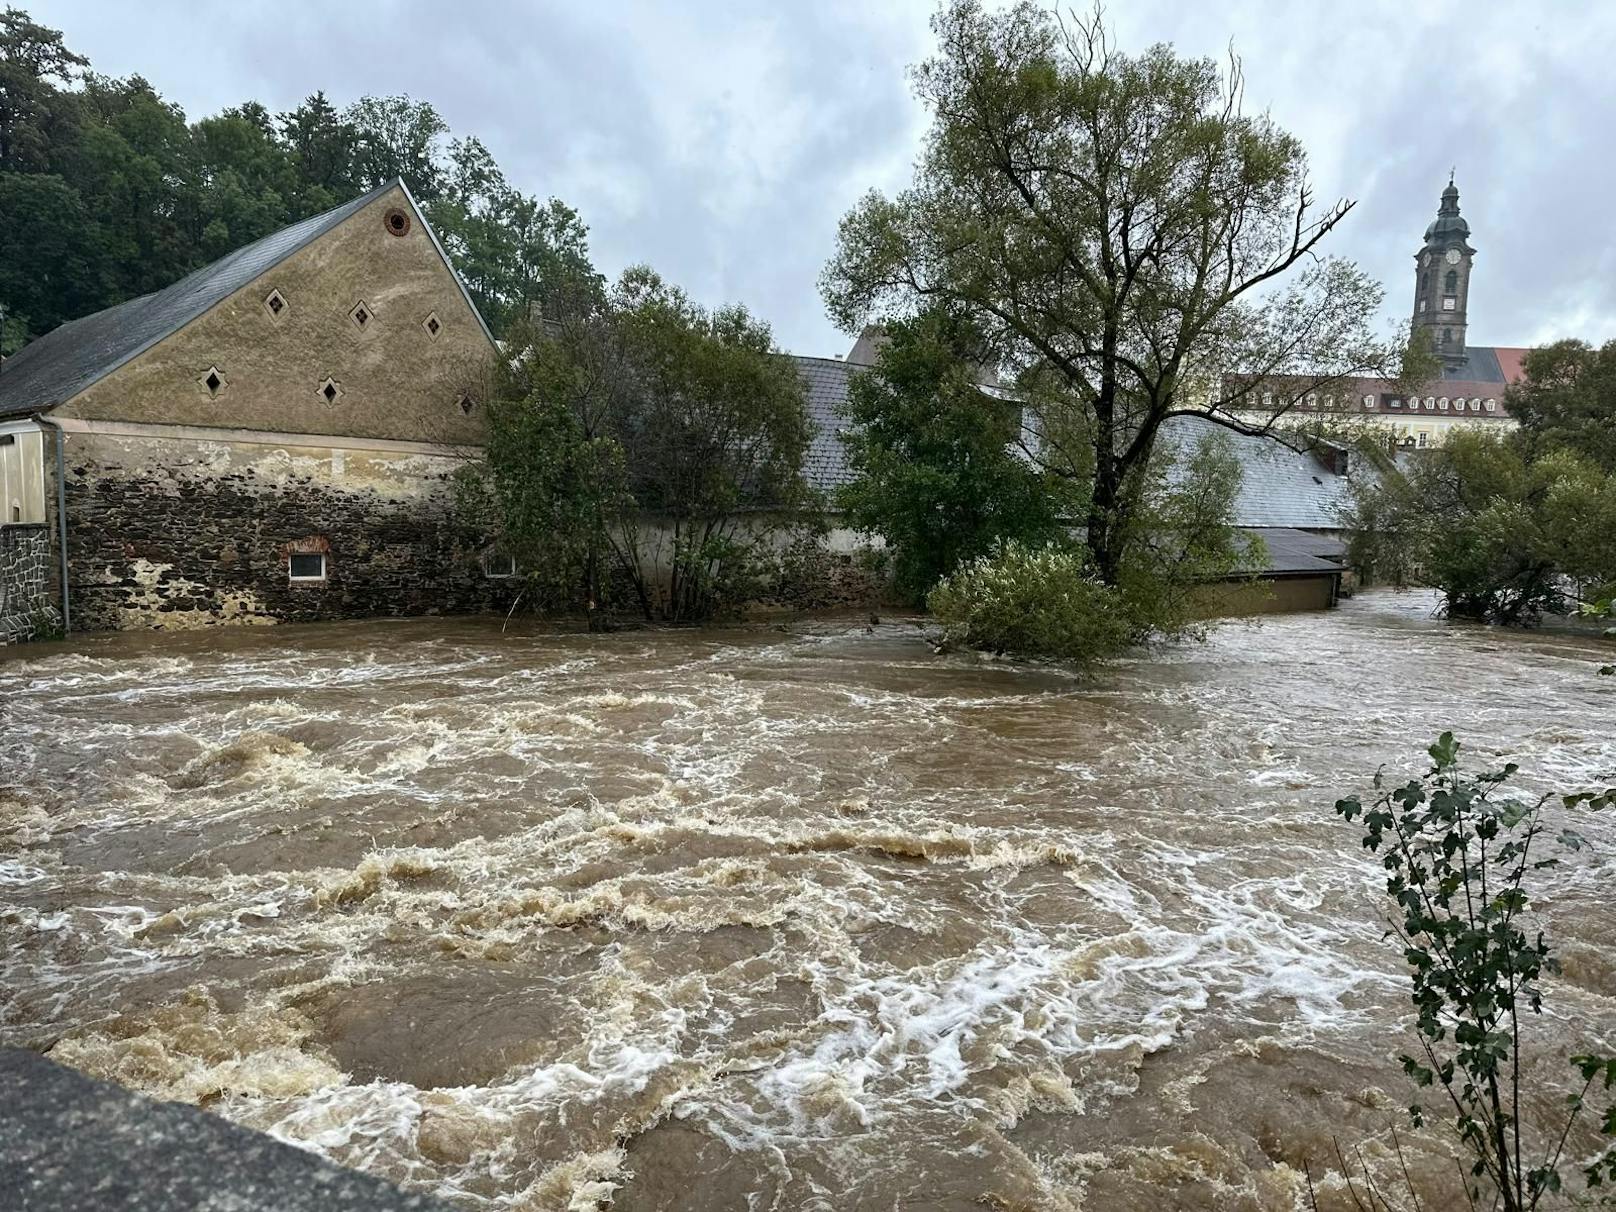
pixel 1442 282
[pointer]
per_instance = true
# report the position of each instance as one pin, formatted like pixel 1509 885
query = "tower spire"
pixel 1442 281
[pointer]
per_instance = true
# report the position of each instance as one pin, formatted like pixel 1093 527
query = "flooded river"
pixel 803 918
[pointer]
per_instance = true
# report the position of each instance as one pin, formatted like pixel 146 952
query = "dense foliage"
pixel 1032 601
pixel 1507 527
pixel 109 192
pixel 1567 400
pixel 642 445
pixel 1112 226
pixel 938 472
pixel 1460 852
pixel 1048 600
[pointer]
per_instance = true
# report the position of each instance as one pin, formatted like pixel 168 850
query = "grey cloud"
pixel 722 142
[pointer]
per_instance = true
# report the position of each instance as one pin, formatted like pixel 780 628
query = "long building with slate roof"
pixel 1473 379
pixel 1292 499
pixel 271 437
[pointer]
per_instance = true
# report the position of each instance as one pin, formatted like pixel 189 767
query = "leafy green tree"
pixel 1567 400
pixel 514 252
pixel 638 440
pixel 1504 536
pixel 35 114
pixel 1460 852
pixel 243 179
pixel 398 137
pixel 323 148
pixel 938 473
pixel 714 444
pixel 1115 226
pixel 47 273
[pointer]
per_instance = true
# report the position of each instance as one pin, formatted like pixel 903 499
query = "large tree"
pixel 35 67
pixel 1123 234
pixel 640 442
pixel 1567 400
pixel 936 470
pixel 714 445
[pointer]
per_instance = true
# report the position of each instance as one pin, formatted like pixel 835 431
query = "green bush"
pixel 1032 601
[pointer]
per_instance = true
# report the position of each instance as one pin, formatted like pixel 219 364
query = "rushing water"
pixel 804 918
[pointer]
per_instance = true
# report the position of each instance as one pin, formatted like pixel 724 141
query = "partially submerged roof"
pixel 1296 552
pixel 65 361
pixel 1280 487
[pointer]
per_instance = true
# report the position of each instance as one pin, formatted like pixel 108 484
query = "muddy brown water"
pixel 765 919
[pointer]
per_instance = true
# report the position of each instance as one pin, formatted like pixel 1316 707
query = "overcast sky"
pixel 721 142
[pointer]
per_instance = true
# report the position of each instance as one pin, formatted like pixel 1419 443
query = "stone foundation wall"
pixel 176 535
pixel 26 609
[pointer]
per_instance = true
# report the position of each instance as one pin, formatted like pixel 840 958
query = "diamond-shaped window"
pixel 361 314
pixel 465 404
pixel 330 390
pixel 275 304
pixel 432 325
pixel 213 382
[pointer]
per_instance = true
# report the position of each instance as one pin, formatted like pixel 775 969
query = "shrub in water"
pixel 1031 601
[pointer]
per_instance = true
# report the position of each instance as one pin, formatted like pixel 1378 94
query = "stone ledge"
pixel 69 1143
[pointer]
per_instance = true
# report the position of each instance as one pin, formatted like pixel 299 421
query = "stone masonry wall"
pixel 25 576
pixel 202 542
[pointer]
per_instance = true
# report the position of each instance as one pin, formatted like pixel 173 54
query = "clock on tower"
pixel 1442 282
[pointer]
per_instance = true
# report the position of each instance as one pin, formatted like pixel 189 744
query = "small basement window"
pixel 306 566
pixel 499 566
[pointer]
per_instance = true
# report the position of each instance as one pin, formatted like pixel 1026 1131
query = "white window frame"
pixel 488 571
pixel 1492 405
pixel 325 568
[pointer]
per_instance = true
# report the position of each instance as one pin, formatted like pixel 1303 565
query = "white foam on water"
pixel 816 897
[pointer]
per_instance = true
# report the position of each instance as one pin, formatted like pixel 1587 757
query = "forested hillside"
pixel 108 191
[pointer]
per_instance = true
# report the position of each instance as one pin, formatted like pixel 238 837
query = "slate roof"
pixel 1281 487
pixel 1295 552
pixel 826 379
pixel 57 366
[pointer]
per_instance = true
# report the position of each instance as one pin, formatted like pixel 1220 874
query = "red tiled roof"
pixel 1509 361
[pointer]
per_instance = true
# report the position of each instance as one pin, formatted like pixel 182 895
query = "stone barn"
pixel 271 438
